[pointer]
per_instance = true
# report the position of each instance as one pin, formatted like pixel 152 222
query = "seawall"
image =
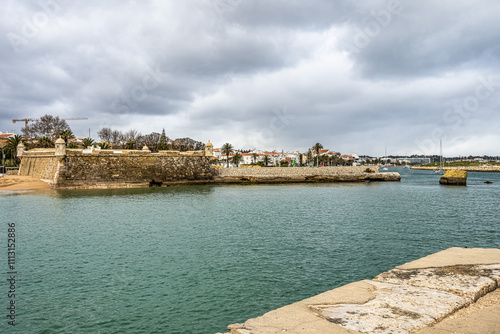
pixel 303 174
pixel 417 297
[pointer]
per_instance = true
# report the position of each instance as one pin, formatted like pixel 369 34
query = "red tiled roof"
pixel 6 135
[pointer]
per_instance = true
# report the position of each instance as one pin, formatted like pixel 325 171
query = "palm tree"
pixel 236 159
pixel 45 142
pixel 317 147
pixel 103 145
pixel 131 144
pixel 266 160
pixel 87 142
pixel 12 144
pixel 66 135
pixel 254 157
pixel 227 149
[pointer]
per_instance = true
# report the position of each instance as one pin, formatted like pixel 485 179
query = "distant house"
pixel 4 138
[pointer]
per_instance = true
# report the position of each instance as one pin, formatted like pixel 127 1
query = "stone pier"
pixel 422 296
pixel 303 174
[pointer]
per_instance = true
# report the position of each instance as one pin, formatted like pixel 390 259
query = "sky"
pixel 356 76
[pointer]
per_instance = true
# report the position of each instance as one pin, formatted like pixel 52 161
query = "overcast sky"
pixel 356 76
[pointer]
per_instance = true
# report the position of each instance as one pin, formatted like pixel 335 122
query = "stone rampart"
pixel 115 168
pixel 40 164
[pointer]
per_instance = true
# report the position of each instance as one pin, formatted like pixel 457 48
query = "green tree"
pixel 12 144
pixel 66 135
pixel 316 148
pixel 254 157
pixel 45 142
pixel 87 142
pixel 130 145
pixel 227 149
pixel 266 160
pixel 103 145
pixel 236 159
pixel 72 145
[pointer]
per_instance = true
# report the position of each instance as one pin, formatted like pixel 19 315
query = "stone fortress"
pixel 65 168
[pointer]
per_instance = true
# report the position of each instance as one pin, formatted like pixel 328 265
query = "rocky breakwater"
pixel 454 177
pixel 412 297
pixel 302 174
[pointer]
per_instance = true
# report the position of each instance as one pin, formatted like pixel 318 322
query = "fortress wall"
pixel 39 164
pixel 115 169
pixel 106 169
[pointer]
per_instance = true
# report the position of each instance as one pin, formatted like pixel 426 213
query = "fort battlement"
pixel 94 168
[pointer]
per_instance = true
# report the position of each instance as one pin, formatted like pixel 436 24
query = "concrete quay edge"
pixel 420 296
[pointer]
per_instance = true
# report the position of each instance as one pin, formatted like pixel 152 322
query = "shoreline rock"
pixel 454 177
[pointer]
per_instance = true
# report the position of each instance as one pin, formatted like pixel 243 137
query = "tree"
pixel 317 147
pixel 116 136
pixel 103 145
pixel 45 142
pixel 163 143
pixel 130 145
pixel 48 126
pixel 12 144
pixel 66 135
pixel 254 157
pixel 227 149
pixel 87 142
pixel 151 141
pixel 236 159
pixel 131 135
pixel 187 144
pixel 105 134
pixel 266 160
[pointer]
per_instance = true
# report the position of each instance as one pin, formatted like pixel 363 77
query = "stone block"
pixel 454 177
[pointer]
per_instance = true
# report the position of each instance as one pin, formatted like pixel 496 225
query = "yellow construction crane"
pixel 26 120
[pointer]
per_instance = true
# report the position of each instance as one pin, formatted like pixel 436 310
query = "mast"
pixel 441 165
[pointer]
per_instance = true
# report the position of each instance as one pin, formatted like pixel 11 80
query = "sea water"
pixel 193 259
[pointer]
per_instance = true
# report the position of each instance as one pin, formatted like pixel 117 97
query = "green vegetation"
pixel 317 147
pixel 227 149
pixel 88 142
pixel 236 159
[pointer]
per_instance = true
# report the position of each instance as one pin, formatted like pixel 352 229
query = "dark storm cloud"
pixel 356 76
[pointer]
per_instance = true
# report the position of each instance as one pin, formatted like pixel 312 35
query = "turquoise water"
pixel 193 259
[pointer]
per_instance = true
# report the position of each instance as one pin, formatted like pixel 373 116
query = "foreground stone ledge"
pixel 410 297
